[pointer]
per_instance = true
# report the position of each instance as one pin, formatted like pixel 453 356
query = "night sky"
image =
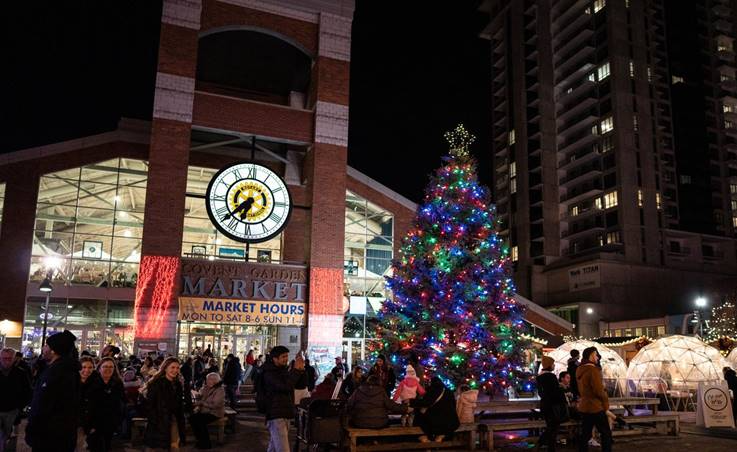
pixel 74 68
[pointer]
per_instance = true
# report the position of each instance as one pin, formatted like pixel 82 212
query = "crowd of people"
pixel 80 402
pixel 370 396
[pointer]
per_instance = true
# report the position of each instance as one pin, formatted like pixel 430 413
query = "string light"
pixel 453 296
pixel 154 294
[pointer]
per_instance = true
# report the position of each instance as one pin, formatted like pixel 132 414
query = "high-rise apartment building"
pixel 586 170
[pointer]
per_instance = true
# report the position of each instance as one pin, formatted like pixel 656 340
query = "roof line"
pixel 542 312
pixel 381 188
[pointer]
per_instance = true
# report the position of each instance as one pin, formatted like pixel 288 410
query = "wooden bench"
pixel 487 430
pixel 669 424
pixel 230 417
pixel 464 438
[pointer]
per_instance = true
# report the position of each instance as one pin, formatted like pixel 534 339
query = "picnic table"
pixel 628 403
pixel 516 405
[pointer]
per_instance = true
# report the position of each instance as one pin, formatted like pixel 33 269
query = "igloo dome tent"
pixel 674 362
pixel 613 366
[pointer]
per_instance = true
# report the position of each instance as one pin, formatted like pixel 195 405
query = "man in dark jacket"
pixel 440 417
pixel 369 406
pixel 731 377
pixel 231 379
pixel 53 420
pixel 279 383
pixel 15 393
pixel 551 396
pixel 572 367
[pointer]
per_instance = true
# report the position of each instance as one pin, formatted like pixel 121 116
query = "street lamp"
pixel 45 287
pixel 700 303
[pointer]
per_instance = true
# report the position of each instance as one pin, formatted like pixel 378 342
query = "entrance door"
pixel 244 343
pixel 353 352
pixel 201 341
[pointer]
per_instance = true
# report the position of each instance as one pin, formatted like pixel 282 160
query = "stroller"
pixel 320 424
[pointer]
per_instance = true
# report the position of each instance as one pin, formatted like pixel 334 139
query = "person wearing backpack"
pixel 275 394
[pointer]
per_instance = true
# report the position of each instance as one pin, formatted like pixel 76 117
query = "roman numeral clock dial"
pixel 248 203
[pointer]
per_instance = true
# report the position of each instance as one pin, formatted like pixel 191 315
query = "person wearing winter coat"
pixel 730 376
pixel 53 420
pixel 324 391
pixel 164 394
pixel 408 389
pixel 15 393
pixel 369 406
pixel 278 383
pixel 551 395
pixel 572 367
pixel 231 379
pixel 351 383
pixel 435 413
pixel 385 373
pixel 594 402
pixel 210 407
pixel 106 402
pixel 466 404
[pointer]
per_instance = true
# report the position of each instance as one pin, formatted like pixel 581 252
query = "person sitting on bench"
pixel 369 405
pixel 210 407
pixel 436 414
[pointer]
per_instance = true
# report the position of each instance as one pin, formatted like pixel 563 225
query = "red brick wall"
pixel 333 78
pixel 296 236
pixel 178 50
pixel 217 14
pixel 167 183
pixel 247 116
pixel 16 239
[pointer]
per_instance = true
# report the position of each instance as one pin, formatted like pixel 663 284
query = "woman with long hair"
pixel 164 400
pixel 87 377
pixel 107 399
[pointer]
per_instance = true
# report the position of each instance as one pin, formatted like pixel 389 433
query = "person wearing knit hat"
pixel 552 399
pixel 53 419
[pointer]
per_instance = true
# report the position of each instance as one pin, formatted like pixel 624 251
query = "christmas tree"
pixel 723 320
pixel 453 297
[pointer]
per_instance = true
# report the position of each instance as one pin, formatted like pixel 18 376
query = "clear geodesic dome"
pixel 732 359
pixel 613 366
pixel 674 363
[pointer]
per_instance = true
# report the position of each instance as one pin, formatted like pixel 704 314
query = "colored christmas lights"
pixel 453 297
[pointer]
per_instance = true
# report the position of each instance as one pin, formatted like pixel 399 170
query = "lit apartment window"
pixel 729 124
pixel 610 200
pixel 729 108
pixel 515 254
pixel 632 68
pixel 603 71
pixel 607 144
pixel 594 130
pixel 607 125
pixel 600 239
pixel 575 211
pixel 639 198
pixel 733 189
pixel 511 138
pixel 597 203
pixel 734 222
pixel 676 79
pixel 613 237
pixel 627 3
pixel 685 179
pixel 592 77
pixel 513 185
pixel 658 203
pixel 734 205
pixel 598 5
pixel 724 46
pixel 726 76
pixel 512 169
pixel 635 123
pixel 649 74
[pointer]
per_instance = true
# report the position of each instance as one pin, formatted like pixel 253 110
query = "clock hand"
pixel 244 207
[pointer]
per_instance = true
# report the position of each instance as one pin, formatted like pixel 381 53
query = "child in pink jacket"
pixel 408 389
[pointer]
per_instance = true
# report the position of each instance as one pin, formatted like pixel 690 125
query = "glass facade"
pixel 94 322
pixel 224 339
pixel 202 240
pixel 369 241
pixel 89 224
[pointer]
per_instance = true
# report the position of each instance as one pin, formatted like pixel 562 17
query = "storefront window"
pixel 369 239
pixel 94 322
pixel 224 339
pixel 202 240
pixel 89 224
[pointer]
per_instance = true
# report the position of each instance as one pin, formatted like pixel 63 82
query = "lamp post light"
pixel 45 287
pixel 700 303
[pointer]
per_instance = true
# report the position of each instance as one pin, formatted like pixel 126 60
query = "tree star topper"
pixel 459 140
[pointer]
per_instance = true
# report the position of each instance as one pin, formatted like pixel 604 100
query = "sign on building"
pixel 584 277
pixel 715 406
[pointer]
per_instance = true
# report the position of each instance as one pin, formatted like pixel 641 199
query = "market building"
pixel 141 230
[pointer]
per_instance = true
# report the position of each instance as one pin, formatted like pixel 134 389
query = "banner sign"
pixel 584 277
pixel 715 405
pixel 241 312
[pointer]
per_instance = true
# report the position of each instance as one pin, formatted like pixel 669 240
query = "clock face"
pixel 248 203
